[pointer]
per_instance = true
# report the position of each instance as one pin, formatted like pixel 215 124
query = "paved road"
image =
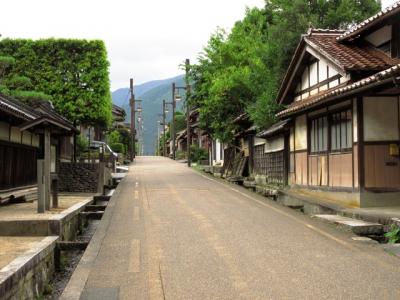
pixel 176 234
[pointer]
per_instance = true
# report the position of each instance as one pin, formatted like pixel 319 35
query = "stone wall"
pixel 78 177
pixel 27 276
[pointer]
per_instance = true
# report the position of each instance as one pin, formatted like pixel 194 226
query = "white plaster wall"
pixel 322 70
pixel 313 73
pixel 26 138
pixel 304 80
pixel 258 141
pixel 301 133
pixel 36 140
pixel 4 131
pixel 381 118
pixel 380 36
pixel 15 135
pixel 291 140
pixel 355 126
pixel 274 144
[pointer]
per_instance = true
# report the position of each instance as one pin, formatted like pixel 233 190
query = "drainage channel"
pixel 69 253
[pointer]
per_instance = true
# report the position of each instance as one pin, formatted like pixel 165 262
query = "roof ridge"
pixel 367 21
pixel 324 31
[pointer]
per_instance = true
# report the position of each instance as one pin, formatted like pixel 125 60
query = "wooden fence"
pixel 270 164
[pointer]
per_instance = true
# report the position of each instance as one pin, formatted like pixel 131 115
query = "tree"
pixel 180 121
pixel 74 73
pixel 241 71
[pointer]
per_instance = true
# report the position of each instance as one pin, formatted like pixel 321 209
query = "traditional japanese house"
pixel 22 143
pixel 181 141
pixel 341 92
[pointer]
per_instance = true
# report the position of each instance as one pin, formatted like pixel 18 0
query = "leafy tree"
pixel 73 72
pixel 241 71
pixel 180 121
pixel 114 137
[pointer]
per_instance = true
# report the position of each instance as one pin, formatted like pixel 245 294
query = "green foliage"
pixel 180 122
pixel 5 63
pixel 18 83
pixel 198 154
pixel 29 96
pixel 180 154
pixel 73 72
pixel 393 235
pixel 118 147
pixel 125 138
pixel 241 71
pixel 114 137
pixel 82 144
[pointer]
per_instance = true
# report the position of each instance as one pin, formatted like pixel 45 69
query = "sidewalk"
pixel 382 215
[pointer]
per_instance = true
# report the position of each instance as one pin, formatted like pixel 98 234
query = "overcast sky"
pixel 145 39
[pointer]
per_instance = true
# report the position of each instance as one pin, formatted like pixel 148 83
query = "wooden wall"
pixel 17 165
pixel 301 168
pixel 381 169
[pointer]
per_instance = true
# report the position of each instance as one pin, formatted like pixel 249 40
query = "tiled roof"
pixel 17 108
pixel 275 128
pixel 359 57
pixel 34 111
pixel 357 29
pixel 349 57
pixel 339 90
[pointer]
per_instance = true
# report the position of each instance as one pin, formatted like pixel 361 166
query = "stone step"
pixel 359 227
pixel 95 207
pixel 95 215
pixel 101 198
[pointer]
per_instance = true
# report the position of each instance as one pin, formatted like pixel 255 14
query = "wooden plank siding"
pixel 381 169
pixel 17 165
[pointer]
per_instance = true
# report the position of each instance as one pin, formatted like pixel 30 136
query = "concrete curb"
pixel 79 277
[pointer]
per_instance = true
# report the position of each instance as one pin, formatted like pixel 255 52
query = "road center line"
pixel 136 215
pixel 134 257
pixel 136 195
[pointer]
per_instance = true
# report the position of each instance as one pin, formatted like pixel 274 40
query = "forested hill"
pixel 152 93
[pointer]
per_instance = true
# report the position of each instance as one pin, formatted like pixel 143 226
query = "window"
pixel 319 135
pixel 336 128
pixel 341 131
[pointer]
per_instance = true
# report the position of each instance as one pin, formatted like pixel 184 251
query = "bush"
pixel 393 235
pixel 180 154
pixel 198 154
pixel 82 144
pixel 117 147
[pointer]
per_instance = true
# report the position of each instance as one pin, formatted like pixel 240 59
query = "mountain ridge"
pixel 151 93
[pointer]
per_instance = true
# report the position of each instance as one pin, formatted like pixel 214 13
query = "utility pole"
pixel 173 121
pixel 163 124
pixel 133 130
pixel 188 135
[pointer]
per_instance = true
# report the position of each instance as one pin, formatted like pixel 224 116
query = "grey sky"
pixel 145 39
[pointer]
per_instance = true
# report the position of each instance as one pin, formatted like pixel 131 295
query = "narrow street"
pixel 176 234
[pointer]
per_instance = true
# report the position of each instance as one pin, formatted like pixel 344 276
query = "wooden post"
pixel 54 190
pixel 164 137
pixel 188 133
pixel 41 190
pixel 172 130
pixel 133 130
pixel 47 166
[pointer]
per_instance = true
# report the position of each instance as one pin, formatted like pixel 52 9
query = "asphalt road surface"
pixel 177 234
